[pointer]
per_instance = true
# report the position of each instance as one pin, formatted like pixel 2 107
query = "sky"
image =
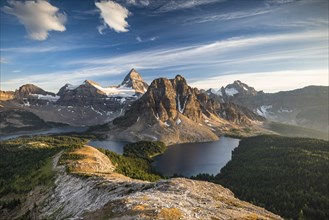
pixel 272 45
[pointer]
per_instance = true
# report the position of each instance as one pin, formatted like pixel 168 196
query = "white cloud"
pixel 113 15
pixel 270 81
pixel 39 17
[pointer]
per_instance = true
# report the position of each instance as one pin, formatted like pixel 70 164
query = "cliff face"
pixel 169 111
pixel 108 195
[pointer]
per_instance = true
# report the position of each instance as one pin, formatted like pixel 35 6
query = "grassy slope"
pixel 296 131
pixel 288 176
pixel 136 160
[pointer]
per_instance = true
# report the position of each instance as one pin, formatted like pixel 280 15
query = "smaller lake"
pixel 66 129
pixel 116 146
pixel 194 158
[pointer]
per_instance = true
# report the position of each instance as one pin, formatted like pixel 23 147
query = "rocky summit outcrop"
pixel 238 88
pixel 134 80
pixel 30 91
pixel 105 194
pixel 83 95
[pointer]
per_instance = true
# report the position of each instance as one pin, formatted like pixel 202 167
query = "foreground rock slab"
pixel 108 195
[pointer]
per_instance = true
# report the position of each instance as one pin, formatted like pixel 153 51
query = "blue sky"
pixel 272 45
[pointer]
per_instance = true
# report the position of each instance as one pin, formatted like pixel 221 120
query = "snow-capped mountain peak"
pixel 134 81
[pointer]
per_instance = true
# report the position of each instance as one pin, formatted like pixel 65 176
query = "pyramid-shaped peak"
pixel 133 75
pixel 135 81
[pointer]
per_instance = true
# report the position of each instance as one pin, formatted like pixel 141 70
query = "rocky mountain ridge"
pixel 79 105
pixel 169 108
pixel 108 195
pixel 306 107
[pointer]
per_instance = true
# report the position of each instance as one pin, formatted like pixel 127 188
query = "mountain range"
pixel 306 107
pixel 168 110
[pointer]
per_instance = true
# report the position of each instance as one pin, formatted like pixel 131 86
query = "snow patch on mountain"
pixel 71 87
pixel 263 110
pixel 218 92
pixel 282 110
pixel 117 91
pixel 180 108
pixel 231 91
pixel 98 112
pixel 47 97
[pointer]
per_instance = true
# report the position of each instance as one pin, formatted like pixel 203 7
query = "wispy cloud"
pixel 38 49
pixel 175 5
pixel 62 77
pixel 278 2
pixel 39 17
pixel 153 38
pixel 139 39
pixel 113 15
pixel 273 81
pixel 52 48
pixel 220 56
pixel 84 14
pixel 138 2
pixel 230 15
pixel 204 53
